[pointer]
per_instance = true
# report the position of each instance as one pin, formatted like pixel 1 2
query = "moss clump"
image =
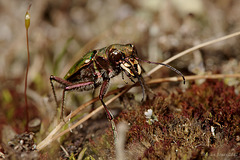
pixel 202 122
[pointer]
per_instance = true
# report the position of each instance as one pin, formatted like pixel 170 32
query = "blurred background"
pixel 61 32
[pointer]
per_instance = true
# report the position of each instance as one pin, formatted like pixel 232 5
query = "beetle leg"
pixel 131 79
pixel 93 95
pixel 72 87
pixel 67 87
pixel 59 80
pixel 103 90
pixel 123 78
pixel 143 85
pixel 128 76
pixel 62 109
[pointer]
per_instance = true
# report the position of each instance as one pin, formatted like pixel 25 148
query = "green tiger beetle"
pixel 97 67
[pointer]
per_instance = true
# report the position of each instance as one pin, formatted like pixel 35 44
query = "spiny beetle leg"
pixel 123 78
pixel 60 81
pixel 78 85
pixel 143 86
pixel 109 114
pixel 67 87
pixel 103 90
pixel 72 87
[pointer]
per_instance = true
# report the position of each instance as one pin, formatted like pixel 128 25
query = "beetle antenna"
pixel 166 65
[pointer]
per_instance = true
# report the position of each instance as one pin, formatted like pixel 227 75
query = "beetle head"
pixel 125 57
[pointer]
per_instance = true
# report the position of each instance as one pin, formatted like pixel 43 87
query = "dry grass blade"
pixel 194 77
pixel 51 136
pixel 190 50
pixel 48 139
pixel 92 113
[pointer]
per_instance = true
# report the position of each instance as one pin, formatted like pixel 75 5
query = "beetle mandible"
pixel 97 67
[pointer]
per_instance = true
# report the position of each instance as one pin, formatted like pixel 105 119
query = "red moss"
pixel 184 122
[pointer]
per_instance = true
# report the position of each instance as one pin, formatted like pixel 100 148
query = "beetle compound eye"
pixel 115 55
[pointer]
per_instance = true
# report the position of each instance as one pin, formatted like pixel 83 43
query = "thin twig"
pixel 91 113
pixel 194 77
pixel 51 136
pixel 190 50
pixel 75 112
pixel 48 139
pixel 65 151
